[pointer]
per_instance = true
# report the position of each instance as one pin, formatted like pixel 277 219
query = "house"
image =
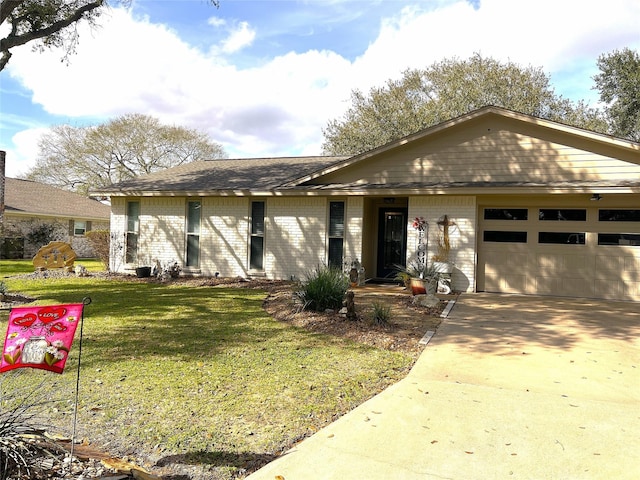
pixel 35 214
pixel 533 207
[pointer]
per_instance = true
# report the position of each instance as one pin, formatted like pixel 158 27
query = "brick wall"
pixel 460 209
pixel 296 236
pixel 354 214
pixel 224 236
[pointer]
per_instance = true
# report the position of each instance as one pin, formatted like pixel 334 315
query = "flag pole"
pixel 85 301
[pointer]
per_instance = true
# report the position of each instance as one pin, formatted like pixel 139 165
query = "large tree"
pixel 619 85
pixel 81 159
pixel 444 90
pixel 47 23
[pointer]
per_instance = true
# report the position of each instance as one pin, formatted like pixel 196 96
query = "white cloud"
pixel 216 21
pixel 22 157
pixel 240 38
pixel 279 106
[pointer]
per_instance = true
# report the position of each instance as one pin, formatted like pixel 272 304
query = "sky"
pixel 264 77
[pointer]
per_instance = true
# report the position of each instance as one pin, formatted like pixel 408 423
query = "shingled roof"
pixel 208 176
pixel 32 198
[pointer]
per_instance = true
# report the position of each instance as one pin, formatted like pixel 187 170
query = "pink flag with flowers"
pixel 40 337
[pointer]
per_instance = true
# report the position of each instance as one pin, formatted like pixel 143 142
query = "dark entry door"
pixel 392 241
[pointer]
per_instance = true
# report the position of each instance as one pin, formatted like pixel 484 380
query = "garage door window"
pixel 559 215
pixel 506 214
pixel 619 215
pixel 630 239
pixel 562 238
pixel 504 237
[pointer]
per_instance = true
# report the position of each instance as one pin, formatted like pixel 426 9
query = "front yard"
pixel 197 379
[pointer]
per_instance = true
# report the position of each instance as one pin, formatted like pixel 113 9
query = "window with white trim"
pixel 194 209
pixel 336 234
pixel 256 247
pixel 133 231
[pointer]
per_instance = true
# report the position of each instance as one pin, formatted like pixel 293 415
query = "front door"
pixel 392 241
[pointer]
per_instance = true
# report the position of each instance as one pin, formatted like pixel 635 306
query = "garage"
pixel 577 247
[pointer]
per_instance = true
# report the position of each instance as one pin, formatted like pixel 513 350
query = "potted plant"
pixel 143 270
pixel 420 278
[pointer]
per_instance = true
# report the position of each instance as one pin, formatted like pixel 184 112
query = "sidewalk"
pixel 510 387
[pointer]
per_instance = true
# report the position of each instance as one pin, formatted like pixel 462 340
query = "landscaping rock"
pixel 426 300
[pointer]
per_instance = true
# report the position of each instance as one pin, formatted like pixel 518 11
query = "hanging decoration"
pixel 40 337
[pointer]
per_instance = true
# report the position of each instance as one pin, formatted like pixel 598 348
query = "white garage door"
pixel 577 252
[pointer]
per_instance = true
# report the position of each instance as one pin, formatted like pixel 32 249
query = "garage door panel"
pixel 632 264
pixel 576 287
pixel 609 266
pixel 564 264
pixel 631 290
pixel 610 289
pixel 546 285
pixel 514 283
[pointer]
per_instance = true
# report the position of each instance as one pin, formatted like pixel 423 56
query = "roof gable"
pixel 489 146
pixel 25 197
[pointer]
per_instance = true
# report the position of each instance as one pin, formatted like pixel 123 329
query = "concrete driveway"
pixel 521 387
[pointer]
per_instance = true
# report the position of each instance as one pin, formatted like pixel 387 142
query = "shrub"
pixel 99 241
pixel 40 235
pixel 381 313
pixel 325 288
pixel 22 443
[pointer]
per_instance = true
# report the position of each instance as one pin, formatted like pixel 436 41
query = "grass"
pixel 20 267
pixel 200 372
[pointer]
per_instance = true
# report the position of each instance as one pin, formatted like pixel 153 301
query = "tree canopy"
pixel 445 90
pixel 47 23
pixel 619 85
pixel 81 159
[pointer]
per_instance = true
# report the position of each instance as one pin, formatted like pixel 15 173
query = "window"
pixel 500 236
pixel 133 231
pixel 506 214
pixel 619 215
pixel 79 227
pixel 565 238
pixel 336 234
pixel 256 255
pixel 632 239
pixel 555 214
pixel 193 234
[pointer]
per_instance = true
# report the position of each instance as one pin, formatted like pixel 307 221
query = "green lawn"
pixel 20 267
pixel 202 372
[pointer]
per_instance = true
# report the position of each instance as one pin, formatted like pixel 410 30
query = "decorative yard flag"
pixel 40 337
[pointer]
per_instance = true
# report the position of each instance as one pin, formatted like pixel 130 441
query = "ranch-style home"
pixel 36 213
pixel 534 207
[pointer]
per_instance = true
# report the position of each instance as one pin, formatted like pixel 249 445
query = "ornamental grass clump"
pixel 380 313
pixel 324 289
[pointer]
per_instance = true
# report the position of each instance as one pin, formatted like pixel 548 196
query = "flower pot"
pixel 420 286
pixel 143 272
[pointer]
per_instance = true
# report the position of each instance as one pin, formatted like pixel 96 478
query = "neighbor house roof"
pixel 27 198
pixel 207 176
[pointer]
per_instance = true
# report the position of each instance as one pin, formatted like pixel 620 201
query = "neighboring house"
pixel 538 207
pixel 36 214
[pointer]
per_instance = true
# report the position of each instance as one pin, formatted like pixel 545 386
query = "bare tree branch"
pixel 15 40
